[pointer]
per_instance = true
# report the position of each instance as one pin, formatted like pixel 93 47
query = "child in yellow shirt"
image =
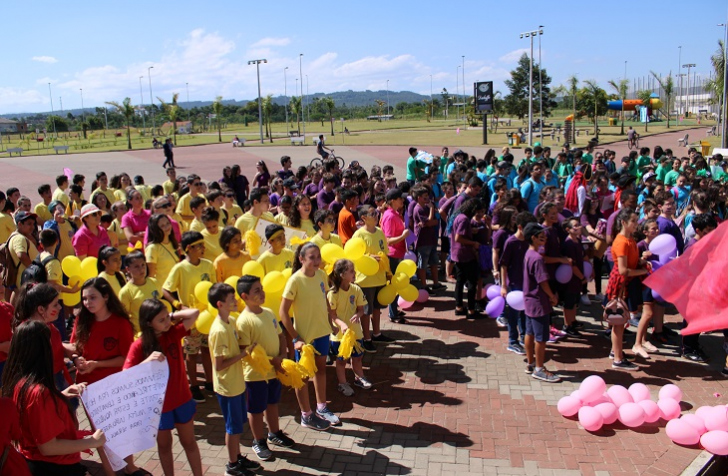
pixel 278 257
pixel 230 262
pixel 139 288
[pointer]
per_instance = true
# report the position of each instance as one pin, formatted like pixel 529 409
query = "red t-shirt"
pixel 178 390
pixel 59 354
pixel 15 465
pixel 108 339
pixel 6 331
pixel 347 225
pixel 45 418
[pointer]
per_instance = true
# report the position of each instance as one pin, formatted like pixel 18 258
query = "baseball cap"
pixel 394 194
pixel 52 206
pixel 532 229
pixel 625 180
pixel 290 183
pixel 648 176
pixel 89 209
pixel 502 164
pixel 22 215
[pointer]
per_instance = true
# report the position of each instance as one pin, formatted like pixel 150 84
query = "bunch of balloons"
pixel 77 272
pixel 497 303
pixel 596 406
pixel 565 272
pixel 400 284
pixel 707 426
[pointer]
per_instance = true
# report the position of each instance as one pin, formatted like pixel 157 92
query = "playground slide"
pixel 631 104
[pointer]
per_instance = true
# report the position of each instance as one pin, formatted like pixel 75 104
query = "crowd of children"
pixel 469 221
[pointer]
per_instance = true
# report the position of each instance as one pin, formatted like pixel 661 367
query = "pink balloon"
pixel 568 406
pixel 576 394
pixel 694 421
pixel 619 395
pixel 669 408
pixel 590 418
pixel 681 432
pixel 671 390
pixel 609 412
pixel 703 412
pixel 652 411
pixel 639 392
pixel 631 415
pixel 404 304
pixel 495 307
pixel 602 399
pixel 717 419
pixel 592 387
pixel 493 292
pixel 423 296
pixel 564 273
pixel 715 442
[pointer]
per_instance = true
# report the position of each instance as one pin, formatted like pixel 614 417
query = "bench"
pixel 239 143
pixel 15 150
pixel 683 141
pixel 297 140
pixel 59 148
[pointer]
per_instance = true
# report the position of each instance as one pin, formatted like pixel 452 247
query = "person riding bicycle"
pixel 631 135
pixel 321 148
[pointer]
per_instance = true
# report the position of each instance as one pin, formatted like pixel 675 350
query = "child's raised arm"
pixel 187 316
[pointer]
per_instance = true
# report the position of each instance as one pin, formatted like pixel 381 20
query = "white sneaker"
pixel 329 416
pixel 585 300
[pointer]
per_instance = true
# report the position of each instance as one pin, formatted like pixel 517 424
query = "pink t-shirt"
pixel 392 225
pixel 138 223
pixel 86 243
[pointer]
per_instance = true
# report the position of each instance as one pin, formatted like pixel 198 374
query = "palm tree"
pixel 380 105
pixel 715 85
pixel 126 110
pixel 295 106
pixel 573 82
pixel 267 107
pixel 644 96
pixel 329 104
pixel 428 106
pixel 217 110
pixel 668 87
pixel 621 88
pixel 172 110
pixel 593 88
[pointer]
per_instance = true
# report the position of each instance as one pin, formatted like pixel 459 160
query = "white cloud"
pixel 22 100
pixel 270 41
pixel 44 59
pixel 513 56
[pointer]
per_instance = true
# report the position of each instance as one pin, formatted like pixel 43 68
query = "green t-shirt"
pixel 415 168
pixel 588 158
pixel 564 169
pixel 671 178
pixel 661 173
pixel 642 162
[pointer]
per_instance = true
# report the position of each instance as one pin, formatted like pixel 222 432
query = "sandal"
pixel 641 352
pixel 649 347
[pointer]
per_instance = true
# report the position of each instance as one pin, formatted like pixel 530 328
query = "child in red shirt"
pixel 161 339
pixel 347 221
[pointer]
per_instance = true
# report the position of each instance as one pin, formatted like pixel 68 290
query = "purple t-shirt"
pixel 642 246
pixel 610 226
pixel 262 180
pixel 459 252
pixel 534 273
pixel 514 251
pixel 324 199
pixel 425 235
pixel 668 226
pixel 499 239
pixel 552 248
pixel 274 198
pixel 575 251
pixel 310 190
pixel 410 215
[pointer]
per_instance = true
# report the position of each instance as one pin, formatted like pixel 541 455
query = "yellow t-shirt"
pixel 247 221
pixel 306 225
pixel 279 262
pixel 168 187
pixel 212 245
pixel 183 225
pixel 376 242
pixel 7 227
pixel 196 225
pixel 344 303
pixel 123 242
pixel 109 195
pixel 43 213
pixel 225 266
pixel 112 280
pixel 120 195
pixel 53 269
pixel 320 242
pixel 309 304
pixel 20 244
pixel 132 296
pixel 145 190
pixel 223 342
pixel 61 196
pixel 282 219
pixel 184 277
pixel 234 212
pixel 183 205
pixel 65 230
pixel 264 329
pixel 163 255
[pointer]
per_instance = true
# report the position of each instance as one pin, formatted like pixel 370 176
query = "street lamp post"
pixel 141 104
pixel 53 120
pixel 187 85
pixel 387 97
pixel 308 106
pixel 300 73
pixel 540 85
pixel 679 66
pixel 260 99
pixel 725 87
pixel 83 113
pixel 151 100
pixel 687 88
pixel 530 35
pixel 457 93
pixel 285 94
pixel 432 106
pixel 465 94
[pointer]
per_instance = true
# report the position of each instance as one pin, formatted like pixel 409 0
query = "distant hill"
pixel 350 98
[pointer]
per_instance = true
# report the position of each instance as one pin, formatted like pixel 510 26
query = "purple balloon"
pixel 493 292
pixel 655 265
pixel 495 307
pixel 669 256
pixel 410 240
pixel 663 244
pixel 564 273
pixel 657 296
pixel 515 300
pixel 411 256
pixel 588 270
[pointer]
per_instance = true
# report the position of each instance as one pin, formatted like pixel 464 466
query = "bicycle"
pixel 319 162
pixel 634 143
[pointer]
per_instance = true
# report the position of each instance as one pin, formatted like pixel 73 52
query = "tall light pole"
pixel 679 67
pixel 308 106
pixel 457 93
pixel 387 97
pixel 260 99
pixel 187 85
pixel 530 35
pixel 432 106
pixel 687 88
pixel 540 85
pixel 725 86
pixel 141 104
pixel 53 120
pixel 60 99
pixel 465 95
pixel 151 100
pixel 83 113
pixel 300 74
pixel 285 94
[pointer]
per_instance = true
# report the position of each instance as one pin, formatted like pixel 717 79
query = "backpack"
pixel 36 272
pixel 616 312
pixel 8 268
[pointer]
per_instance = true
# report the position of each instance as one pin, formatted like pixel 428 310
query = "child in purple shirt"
pixel 425 228
pixel 572 248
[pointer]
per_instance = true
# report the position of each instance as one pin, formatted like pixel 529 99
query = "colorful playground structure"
pixel 633 104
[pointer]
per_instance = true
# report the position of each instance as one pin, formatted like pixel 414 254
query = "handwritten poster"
pixel 290 233
pixel 127 406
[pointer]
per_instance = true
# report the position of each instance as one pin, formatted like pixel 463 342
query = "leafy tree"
pixel 644 96
pixel 715 85
pixel 267 107
pixel 61 124
pixel 428 105
pixel 329 104
pixel 380 105
pixel 592 102
pixel 173 110
pixel 621 89
pixel 668 87
pixel 126 110
pixel 516 103
pixel 445 100
pixel 295 106
pixel 217 110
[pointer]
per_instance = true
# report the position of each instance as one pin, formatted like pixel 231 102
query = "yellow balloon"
pixel 367 266
pixel 407 267
pixel 273 282
pixel 273 302
pixel 331 252
pixel 410 293
pixel 88 268
pixel 71 266
pixel 400 281
pixel 253 268
pixel 201 290
pixel 387 295
pixel 204 322
pixel 233 281
pixel 355 248
pixel 286 273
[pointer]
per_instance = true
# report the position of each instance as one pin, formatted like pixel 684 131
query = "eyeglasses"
pixel 196 184
pixel 329 220
pixel 163 205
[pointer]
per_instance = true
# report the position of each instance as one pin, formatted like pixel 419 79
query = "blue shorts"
pixel 427 256
pixel 262 393
pixel 335 349
pixel 321 345
pixel 180 415
pixel 538 327
pixel 235 413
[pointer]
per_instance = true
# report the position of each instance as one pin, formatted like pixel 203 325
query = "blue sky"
pixel 104 47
